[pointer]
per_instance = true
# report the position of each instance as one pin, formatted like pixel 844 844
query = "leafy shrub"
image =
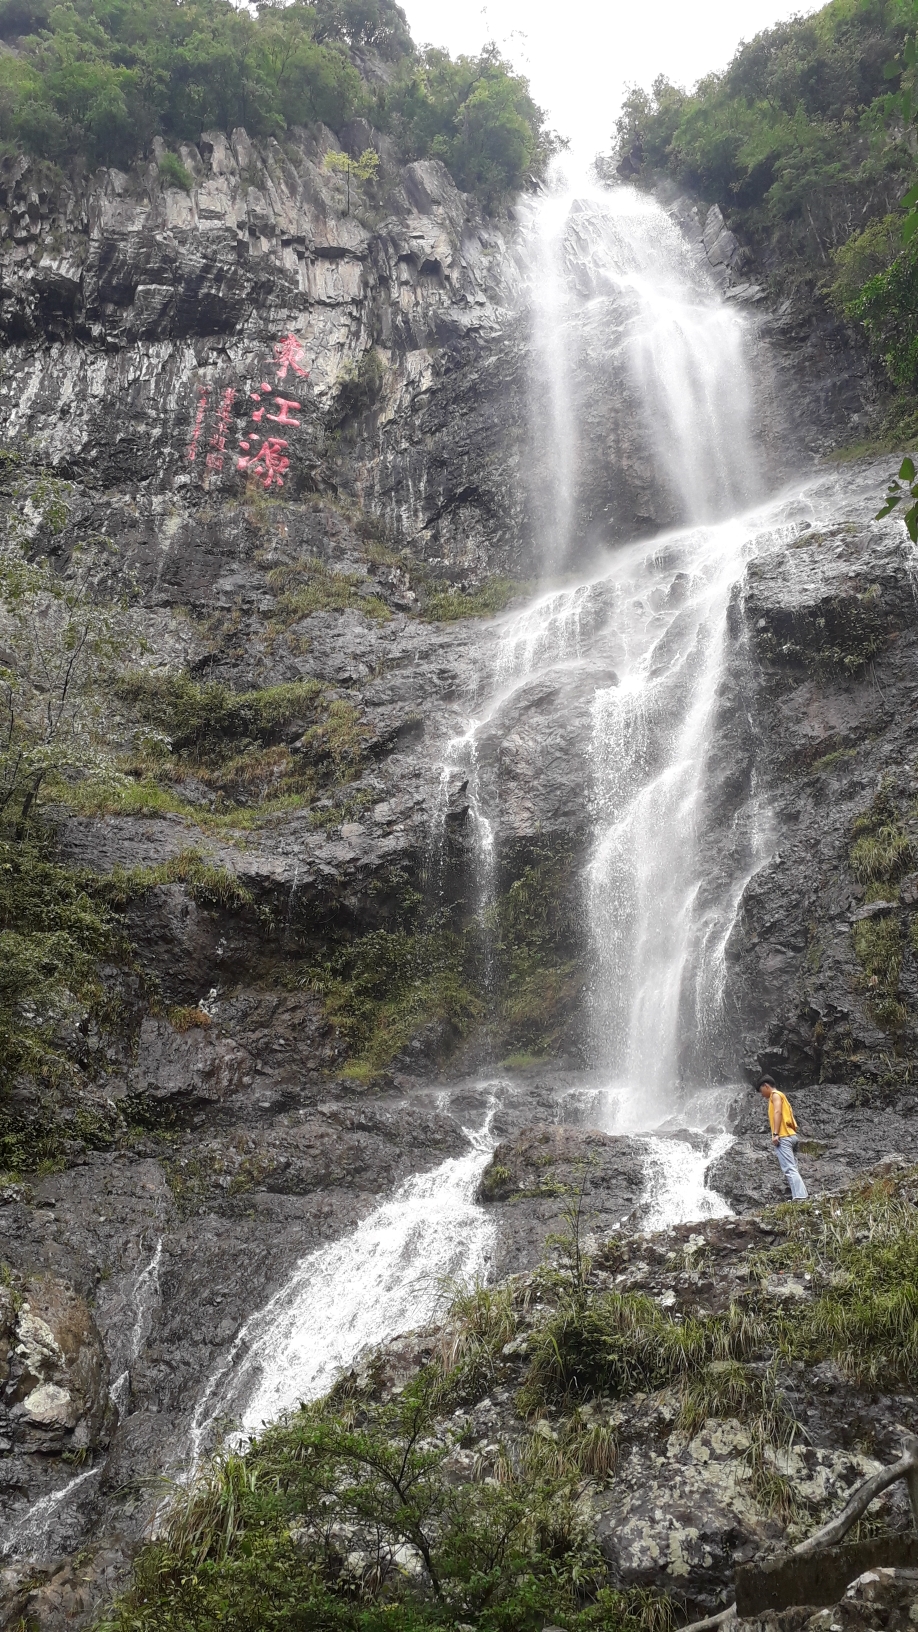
pixel 174 174
pixel 308 586
pixel 516 971
pixel 878 946
pixel 278 743
pixel 209 884
pixel 54 934
pixel 864 255
pixel 257 1542
pixel 202 718
pixel 887 306
pixel 476 115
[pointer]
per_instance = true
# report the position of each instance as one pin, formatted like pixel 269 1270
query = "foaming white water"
pixel 677 1181
pixel 384 1277
pixel 658 929
pixel 609 261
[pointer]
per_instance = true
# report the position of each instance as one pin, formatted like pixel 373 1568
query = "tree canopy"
pixel 96 80
pixel 806 141
pixel 793 138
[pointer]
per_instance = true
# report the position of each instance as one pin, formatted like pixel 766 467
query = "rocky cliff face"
pixel 296 442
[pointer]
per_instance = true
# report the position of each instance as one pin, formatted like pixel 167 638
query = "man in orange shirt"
pixel 783 1136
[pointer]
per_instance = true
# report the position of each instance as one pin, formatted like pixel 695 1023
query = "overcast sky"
pixel 579 55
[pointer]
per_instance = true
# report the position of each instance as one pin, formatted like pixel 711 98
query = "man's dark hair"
pixel 765 1082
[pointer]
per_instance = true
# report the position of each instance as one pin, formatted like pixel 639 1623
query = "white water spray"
pixel 32 1536
pixel 386 1276
pixel 610 262
pixel 143 1296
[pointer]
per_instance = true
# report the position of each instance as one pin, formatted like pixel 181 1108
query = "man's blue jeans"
pixel 786 1152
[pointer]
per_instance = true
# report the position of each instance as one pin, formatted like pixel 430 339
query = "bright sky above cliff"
pixel 581 55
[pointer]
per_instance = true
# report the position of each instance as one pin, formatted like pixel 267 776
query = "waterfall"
pixel 637 644
pixel 391 1274
pixel 613 261
pixel 142 1297
pixel 649 924
pixel 610 263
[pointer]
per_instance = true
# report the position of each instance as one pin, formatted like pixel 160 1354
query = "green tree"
pixel 476 115
pixel 60 651
pixel 355 171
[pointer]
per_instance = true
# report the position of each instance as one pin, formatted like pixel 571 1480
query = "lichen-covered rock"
pixel 53 1372
pixel 547 1170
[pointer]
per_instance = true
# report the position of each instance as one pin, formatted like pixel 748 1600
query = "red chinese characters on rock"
pixel 270 462
pixel 283 418
pixel 288 353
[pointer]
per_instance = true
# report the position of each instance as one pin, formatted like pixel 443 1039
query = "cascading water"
pixel 638 645
pixel 611 262
pixel 650 922
pixel 388 1275
pixel 614 260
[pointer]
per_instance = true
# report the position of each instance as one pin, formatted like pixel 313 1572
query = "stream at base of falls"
pixel 400 1268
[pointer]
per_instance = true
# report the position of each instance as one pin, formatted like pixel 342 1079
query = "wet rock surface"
pixel 830 618
pixel 842 1131
pixel 540 1183
pixel 138 322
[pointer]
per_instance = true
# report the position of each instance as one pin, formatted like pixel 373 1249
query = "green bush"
pixel 203 718
pixel 515 970
pixel 794 140
pixel 476 115
pixel 308 586
pixel 174 174
pixel 887 306
pixel 55 932
pixel 257 1543
pixel 280 743
pixel 358 386
pixel 878 946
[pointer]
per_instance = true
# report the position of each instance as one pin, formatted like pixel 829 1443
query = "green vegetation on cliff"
pixel 54 934
pixel 366 1512
pixel 802 143
pixel 881 853
pixel 97 82
pixel 793 138
pixel 513 970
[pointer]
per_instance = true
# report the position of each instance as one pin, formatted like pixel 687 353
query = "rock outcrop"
pixel 150 336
